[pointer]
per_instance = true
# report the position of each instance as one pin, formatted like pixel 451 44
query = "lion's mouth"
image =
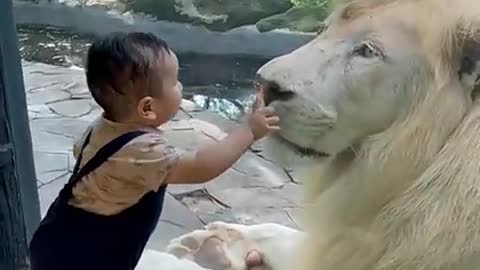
pixel 300 150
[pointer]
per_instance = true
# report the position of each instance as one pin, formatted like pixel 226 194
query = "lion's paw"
pixel 188 243
pixel 207 248
pixel 220 246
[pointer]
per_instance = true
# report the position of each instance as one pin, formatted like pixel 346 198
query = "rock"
pixel 188 106
pixel 301 19
pixel 163 10
pixel 216 15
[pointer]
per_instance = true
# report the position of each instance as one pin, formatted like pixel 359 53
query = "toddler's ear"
pixel 145 108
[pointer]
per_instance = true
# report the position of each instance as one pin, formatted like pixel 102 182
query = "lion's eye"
pixel 367 50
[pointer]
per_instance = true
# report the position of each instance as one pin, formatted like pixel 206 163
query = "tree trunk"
pixel 19 207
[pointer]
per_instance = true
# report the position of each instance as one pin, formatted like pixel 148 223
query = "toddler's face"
pixel 165 103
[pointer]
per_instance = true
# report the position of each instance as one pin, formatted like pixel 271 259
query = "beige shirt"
pixel 139 167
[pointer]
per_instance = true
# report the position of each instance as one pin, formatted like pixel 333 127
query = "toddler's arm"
pixel 213 159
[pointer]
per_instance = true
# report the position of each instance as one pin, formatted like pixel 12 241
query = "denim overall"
pixel 70 238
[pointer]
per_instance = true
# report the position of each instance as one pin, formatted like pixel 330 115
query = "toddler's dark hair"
pixel 118 58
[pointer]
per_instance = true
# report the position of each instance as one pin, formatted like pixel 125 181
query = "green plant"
pixel 309 2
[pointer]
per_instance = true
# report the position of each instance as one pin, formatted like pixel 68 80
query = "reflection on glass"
pixel 231 109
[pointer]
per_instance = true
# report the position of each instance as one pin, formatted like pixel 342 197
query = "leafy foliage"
pixel 309 2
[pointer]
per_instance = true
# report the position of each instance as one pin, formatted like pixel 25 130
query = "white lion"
pixel 382 106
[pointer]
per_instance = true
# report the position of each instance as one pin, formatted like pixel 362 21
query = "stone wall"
pixel 216 15
pixel 192 35
pixel 220 15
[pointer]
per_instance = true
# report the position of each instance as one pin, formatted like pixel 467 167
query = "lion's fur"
pixel 407 198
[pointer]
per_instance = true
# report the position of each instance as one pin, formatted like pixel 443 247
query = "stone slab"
pixel 256 215
pixel 39 77
pixel 45 141
pixel 207 210
pixel 176 219
pixel 40 111
pixel 46 96
pixel 181 115
pixel 296 215
pixel 211 117
pixel 49 166
pixel 186 140
pixel 262 170
pixel 47 193
pixel 72 107
pixel 238 198
pixel 292 192
pixel 176 190
pixel 189 106
pixel 67 127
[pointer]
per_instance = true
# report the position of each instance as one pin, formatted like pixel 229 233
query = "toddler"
pixel 104 216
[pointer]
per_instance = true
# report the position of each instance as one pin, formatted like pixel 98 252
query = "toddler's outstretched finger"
pixel 259 102
pixel 273 120
pixel 273 128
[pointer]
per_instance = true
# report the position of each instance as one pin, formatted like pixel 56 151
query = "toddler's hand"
pixel 262 120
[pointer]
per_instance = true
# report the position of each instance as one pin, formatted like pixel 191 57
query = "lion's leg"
pixel 339 250
pixel 155 260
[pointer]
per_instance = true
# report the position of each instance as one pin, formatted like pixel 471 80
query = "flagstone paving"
pixel 254 190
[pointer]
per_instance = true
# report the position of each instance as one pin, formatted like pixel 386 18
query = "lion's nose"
pixel 272 91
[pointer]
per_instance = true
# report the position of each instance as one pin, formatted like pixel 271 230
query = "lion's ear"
pixel 469 71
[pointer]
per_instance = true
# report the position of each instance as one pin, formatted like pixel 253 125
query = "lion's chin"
pixel 288 155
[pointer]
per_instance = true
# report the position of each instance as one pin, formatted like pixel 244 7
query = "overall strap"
pixel 102 155
pixel 80 155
